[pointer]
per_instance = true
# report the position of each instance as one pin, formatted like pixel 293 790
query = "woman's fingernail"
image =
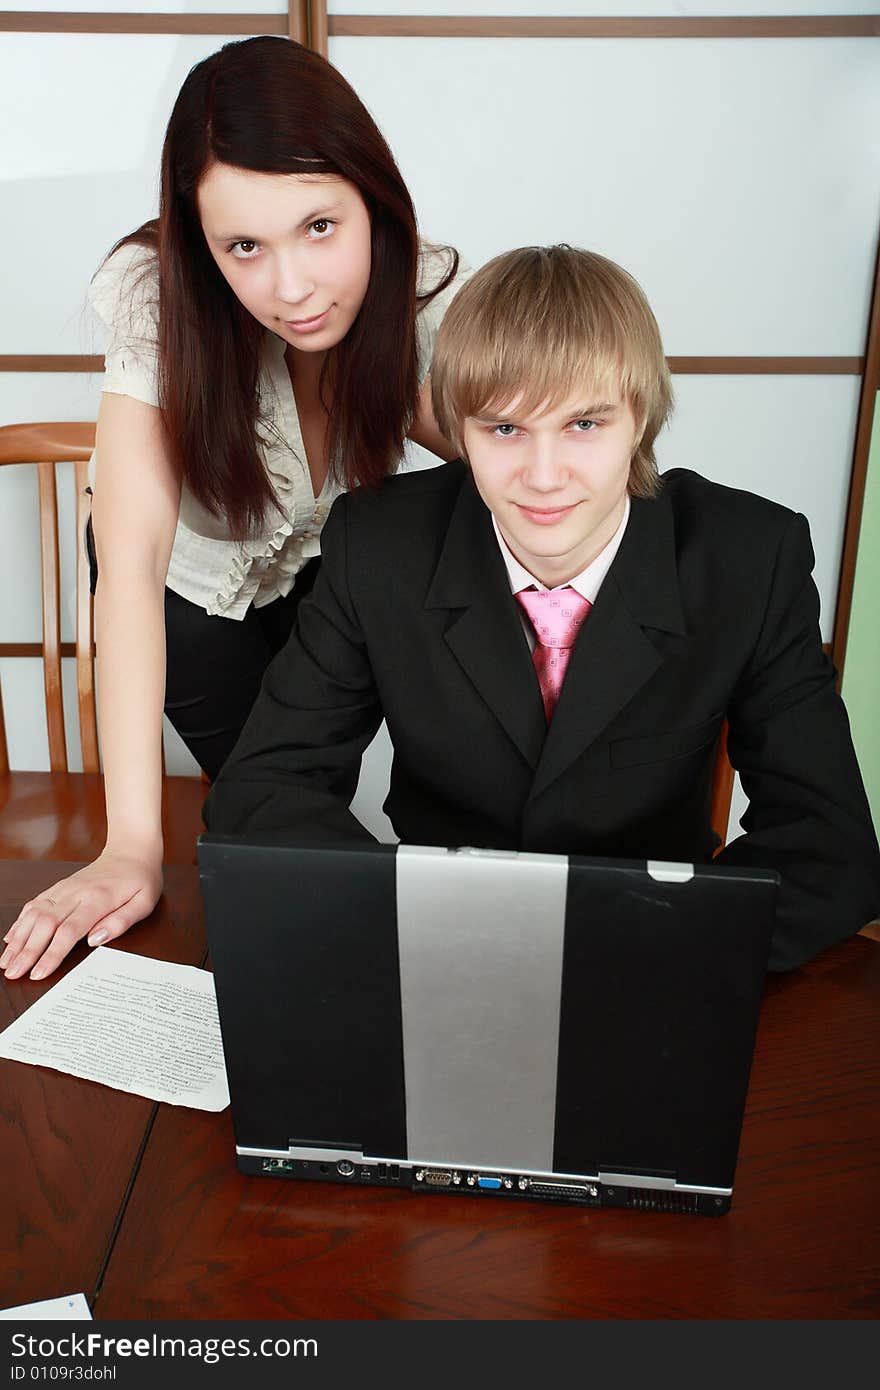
pixel 38 972
pixel 98 937
pixel 5 958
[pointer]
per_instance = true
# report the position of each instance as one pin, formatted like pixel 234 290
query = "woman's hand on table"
pixel 99 902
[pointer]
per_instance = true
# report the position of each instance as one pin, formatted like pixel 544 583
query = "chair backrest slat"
pixel 45 444
pixel 4 751
pixel 51 616
pixel 85 631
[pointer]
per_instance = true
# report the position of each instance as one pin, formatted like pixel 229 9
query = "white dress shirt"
pixel 587 583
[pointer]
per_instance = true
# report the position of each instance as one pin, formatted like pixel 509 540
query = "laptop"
pixel 488 1023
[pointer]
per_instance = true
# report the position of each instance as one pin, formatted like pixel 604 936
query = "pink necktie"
pixel 557 616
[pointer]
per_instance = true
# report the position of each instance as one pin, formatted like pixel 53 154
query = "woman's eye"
pixel 505 431
pixel 243 250
pixel 584 426
pixel 321 227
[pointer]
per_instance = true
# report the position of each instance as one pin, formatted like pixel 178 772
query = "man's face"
pixel 295 249
pixel 555 481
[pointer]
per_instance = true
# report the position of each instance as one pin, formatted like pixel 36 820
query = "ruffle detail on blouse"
pixel 278 557
pixel 252 558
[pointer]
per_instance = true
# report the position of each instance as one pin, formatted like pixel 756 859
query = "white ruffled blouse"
pixel 208 567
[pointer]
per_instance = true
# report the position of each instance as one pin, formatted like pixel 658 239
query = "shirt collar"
pixel 587 583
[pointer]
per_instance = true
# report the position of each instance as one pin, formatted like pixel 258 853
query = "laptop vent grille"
pixel 644 1199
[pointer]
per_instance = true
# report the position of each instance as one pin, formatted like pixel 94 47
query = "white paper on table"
pixel 144 1026
pixel 73 1307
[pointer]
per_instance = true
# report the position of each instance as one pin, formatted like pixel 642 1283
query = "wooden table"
pixel 69 1149
pixel 141 1207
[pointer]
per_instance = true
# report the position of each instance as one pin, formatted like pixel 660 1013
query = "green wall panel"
pixel 861 672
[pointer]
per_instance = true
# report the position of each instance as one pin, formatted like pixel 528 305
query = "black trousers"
pixel 214 667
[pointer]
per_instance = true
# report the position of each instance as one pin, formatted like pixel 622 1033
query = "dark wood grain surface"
pixel 61 816
pixel 68 1147
pixel 802 1241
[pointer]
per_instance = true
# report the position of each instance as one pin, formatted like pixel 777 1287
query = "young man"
pixel 584 719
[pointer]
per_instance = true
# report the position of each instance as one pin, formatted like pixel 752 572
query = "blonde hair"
pixel 542 324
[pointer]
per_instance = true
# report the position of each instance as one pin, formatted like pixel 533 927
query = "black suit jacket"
pixel 708 610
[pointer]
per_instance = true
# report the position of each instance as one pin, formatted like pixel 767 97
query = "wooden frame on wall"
pixel 858 477
pixel 307 22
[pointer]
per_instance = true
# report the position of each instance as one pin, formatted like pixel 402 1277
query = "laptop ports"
pixel 437 1177
pixel 489 1182
pixel 586 1190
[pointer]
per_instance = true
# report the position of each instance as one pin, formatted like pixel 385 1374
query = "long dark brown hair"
pixel 270 105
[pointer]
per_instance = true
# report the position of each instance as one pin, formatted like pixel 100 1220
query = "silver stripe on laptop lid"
pixel 480 977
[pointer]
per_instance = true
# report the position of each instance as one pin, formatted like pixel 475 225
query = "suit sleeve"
pixel 294 769
pixel 808 815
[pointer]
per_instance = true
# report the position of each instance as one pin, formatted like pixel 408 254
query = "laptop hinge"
pixel 669 871
pixel 304 1151
pixel 636 1180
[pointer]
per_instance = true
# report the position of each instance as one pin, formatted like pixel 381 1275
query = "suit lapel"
pixel 485 633
pixel 614 655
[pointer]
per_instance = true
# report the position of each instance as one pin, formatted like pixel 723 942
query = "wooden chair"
pixel 722 789
pixel 60 814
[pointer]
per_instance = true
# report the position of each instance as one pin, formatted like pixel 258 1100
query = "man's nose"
pixel 545 470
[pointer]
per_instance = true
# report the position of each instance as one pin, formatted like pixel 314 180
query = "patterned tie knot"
pixel 556 615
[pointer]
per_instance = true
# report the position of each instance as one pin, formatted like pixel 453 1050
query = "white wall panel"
pixel 79 167
pixel 29 396
pixel 787 438
pixel 372 788
pixel 738 180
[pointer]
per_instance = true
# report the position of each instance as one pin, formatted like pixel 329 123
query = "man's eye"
pixel 321 227
pixel 243 250
pixel 505 431
pixel 584 426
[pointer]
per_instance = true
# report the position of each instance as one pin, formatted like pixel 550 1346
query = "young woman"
pixel 270 339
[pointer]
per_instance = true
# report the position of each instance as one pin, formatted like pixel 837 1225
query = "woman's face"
pixel 294 248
